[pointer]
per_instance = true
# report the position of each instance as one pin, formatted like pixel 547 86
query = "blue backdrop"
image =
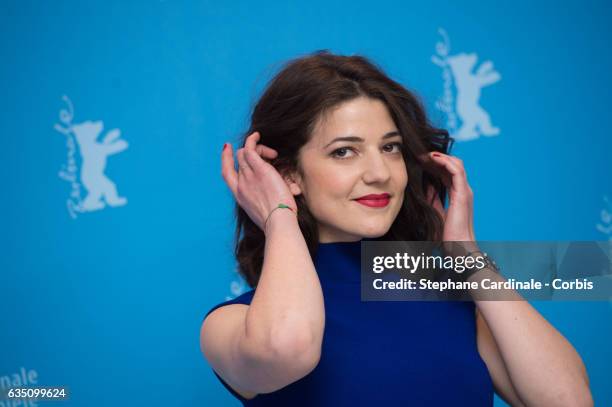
pixel 117 226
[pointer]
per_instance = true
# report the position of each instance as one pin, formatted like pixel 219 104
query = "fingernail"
pixel 435 154
pixel 224 145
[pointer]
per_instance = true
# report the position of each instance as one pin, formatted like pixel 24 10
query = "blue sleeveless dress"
pixel 383 353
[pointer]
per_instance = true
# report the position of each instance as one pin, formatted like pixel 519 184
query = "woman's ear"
pixel 294 182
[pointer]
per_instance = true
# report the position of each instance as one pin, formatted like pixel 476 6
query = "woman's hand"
pixel 459 217
pixel 257 185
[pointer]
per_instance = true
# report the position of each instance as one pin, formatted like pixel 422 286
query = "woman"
pixel 350 156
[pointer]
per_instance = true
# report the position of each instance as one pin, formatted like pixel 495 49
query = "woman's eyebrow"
pixel 359 139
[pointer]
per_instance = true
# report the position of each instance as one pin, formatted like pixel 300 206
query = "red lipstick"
pixel 374 200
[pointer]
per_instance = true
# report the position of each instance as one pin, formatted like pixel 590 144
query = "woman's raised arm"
pixel 277 339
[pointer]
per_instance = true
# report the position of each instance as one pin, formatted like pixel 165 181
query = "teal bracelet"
pixel 280 205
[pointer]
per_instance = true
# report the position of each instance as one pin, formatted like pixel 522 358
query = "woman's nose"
pixel 376 169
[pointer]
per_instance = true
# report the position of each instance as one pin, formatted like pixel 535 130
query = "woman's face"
pixel 355 150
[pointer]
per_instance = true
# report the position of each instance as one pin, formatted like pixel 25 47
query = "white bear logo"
pixel 101 191
pixel 94 154
pixel 459 68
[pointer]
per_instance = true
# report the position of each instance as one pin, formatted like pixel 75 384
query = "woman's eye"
pixel 397 146
pixel 343 152
pixel 340 152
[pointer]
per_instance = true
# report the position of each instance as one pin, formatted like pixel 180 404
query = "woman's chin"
pixel 374 231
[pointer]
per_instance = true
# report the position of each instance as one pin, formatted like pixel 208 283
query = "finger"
pixel 440 172
pixel 228 172
pixel 243 167
pixel 435 168
pixel 425 158
pixel 266 152
pixel 251 141
pixel 256 163
pixel 458 163
pixel 455 169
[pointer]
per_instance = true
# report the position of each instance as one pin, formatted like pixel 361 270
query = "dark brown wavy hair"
pixel 285 116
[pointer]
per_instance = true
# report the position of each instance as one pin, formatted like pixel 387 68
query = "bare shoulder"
pixel 219 336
